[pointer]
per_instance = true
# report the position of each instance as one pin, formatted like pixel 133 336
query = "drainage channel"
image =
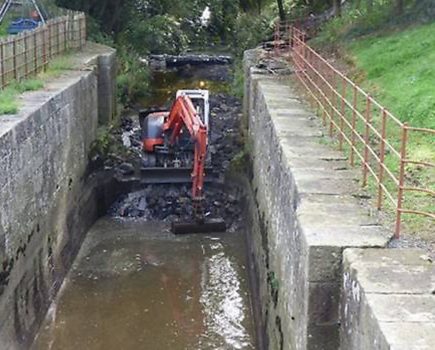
pixel 135 285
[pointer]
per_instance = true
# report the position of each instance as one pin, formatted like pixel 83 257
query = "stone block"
pixel 387 300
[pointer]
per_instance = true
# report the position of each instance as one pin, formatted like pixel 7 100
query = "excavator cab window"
pixel 199 105
pixel 199 99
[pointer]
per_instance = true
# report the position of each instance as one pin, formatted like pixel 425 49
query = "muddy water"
pixel 136 286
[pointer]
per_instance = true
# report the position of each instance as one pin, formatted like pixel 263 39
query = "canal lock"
pixel 134 285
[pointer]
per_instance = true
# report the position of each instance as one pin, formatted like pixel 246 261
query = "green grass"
pixel 58 65
pixel 9 96
pixel 4 28
pixel 398 69
pixel 8 101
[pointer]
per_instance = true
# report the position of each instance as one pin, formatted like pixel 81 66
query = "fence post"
pixel 401 179
pixel 366 141
pixel 2 57
pixel 58 36
pixel 14 53
pixel 26 56
pixel 65 39
pixel 85 29
pixel 80 33
pixel 44 47
pixel 49 40
pixel 35 50
pixel 382 158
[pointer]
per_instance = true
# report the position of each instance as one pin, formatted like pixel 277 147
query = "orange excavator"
pixel 178 139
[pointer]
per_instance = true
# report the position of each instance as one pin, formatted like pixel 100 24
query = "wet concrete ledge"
pixel 47 199
pixel 388 300
pixel 306 215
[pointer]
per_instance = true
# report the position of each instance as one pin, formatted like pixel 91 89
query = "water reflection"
pixel 223 303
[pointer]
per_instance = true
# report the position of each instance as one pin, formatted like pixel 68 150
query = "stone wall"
pixel 388 300
pixel 304 215
pixel 47 199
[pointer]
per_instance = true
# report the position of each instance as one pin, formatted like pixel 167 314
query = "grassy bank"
pixel 396 66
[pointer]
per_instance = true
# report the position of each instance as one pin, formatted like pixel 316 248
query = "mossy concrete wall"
pixel 47 198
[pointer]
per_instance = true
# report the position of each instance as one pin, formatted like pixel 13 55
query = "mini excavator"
pixel 178 139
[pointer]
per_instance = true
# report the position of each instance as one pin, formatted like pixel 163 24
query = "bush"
pixel 156 35
pixel 133 77
pixel 250 30
pixel 359 21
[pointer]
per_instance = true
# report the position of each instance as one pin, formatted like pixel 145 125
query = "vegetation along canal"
pixel 135 285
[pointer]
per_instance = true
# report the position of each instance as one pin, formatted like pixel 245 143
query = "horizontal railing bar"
pixel 417 162
pixel 417 189
pixel 411 128
pixel 418 212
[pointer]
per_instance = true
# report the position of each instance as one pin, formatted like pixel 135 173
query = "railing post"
pixel 343 112
pixel 277 35
pixel 382 158
pixel 331 102
pixel 354 106
pixel 401 179
pixel 366 141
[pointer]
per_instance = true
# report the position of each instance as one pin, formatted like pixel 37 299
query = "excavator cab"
pixel 157 152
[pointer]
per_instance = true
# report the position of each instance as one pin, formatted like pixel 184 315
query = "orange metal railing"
pixel 27 53
pixel 372 135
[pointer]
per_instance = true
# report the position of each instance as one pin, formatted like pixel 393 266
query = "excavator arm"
pixel 183 113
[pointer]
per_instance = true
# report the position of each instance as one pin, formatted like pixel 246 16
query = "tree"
pixel 399 7
pixel 281 10
pixel 337 8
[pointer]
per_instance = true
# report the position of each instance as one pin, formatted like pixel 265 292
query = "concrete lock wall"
pixel 47 199
pixel 304 215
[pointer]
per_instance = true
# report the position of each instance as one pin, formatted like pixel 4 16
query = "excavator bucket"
pixel 208 226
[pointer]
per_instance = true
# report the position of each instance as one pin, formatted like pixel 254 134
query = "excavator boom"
pixel 183 113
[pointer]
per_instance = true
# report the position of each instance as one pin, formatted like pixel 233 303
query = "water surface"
pixel 136 286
